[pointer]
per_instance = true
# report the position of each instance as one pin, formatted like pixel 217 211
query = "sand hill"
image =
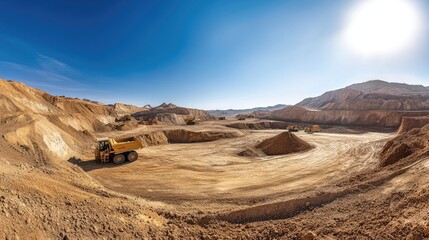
pixel 410 146
pixel 283 143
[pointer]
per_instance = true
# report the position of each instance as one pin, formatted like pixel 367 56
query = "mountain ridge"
pixel 233 112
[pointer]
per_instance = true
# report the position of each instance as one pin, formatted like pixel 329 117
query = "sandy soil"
pixel 191 182
pixel 194 176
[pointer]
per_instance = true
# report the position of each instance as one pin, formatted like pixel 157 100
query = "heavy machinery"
pixel 117 150
pixel 293 128
pixel 124 118
pixel 312 129
pixel 191 120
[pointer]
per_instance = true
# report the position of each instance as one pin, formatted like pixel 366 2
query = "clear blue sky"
pixel 203 54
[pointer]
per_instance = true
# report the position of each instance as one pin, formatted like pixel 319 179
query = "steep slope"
pixel 38 126
pixel 370 104
pixel 409 123
pixel 170 113
pixel 406 148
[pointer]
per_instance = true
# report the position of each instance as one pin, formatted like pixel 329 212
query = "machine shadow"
pixel 90 165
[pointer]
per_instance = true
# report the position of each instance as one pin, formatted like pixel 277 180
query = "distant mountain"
pixel 373 103
pixel 233 112
pixel 372 95
pixel 170 113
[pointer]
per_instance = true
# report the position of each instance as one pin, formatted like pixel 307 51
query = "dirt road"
pixel 211 175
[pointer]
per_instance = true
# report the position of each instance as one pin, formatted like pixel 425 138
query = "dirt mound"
pixel 411 146
pixel 251 152
pixel 259 125
pixel 283 143
pixel 409 123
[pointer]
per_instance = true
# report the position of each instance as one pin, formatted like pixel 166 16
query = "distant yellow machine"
pixel 312 129
pixel 117 150
pixel 293 128
pixel 192 120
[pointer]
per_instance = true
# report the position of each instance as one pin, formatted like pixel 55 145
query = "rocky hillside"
pixel 369 104
pixel 170 113
pixel 121 108
pixel 35 123
pixel 234 112
pixel 40 135
pixel 372 95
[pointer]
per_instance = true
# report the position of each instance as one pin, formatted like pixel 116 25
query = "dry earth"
pixel 197 175
pixel 336 190
pixel 192 183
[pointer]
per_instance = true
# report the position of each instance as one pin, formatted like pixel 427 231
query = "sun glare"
pixel 377 28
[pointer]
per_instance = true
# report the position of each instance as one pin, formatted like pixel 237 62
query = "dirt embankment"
pixel 259 125
pixel 283 143
pixel 184 136
pixel 409 123
pixel 406 147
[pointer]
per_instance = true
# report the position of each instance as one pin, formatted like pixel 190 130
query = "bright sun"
pixel 382 27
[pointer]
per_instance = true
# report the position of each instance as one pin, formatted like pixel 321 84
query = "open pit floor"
pixel 211 177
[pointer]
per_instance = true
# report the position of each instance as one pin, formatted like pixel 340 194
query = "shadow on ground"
pixel 89 165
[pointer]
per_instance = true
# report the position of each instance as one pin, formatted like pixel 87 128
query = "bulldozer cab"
pixel 102 149
pixel 102 144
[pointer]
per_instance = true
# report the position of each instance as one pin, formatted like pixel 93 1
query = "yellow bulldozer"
pixel 293 128
pixel 191 120
pixel 117 150
pixel 312 129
